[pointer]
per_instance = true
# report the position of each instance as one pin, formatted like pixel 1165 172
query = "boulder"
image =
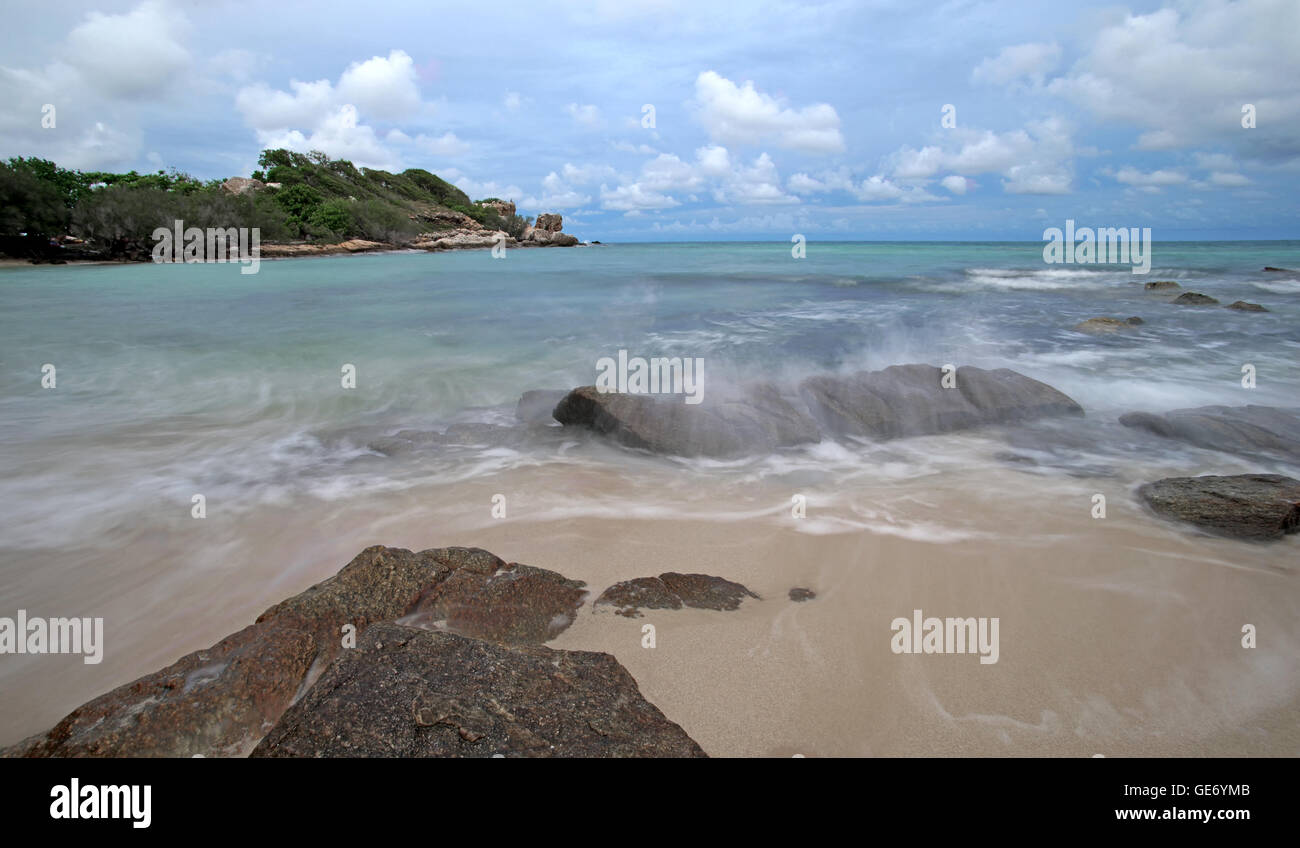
pixel 242 185
pixel 1159 285
pixel 758 419
pixel 1106 325
pixel 1279 270
pixel 220 701
pixel 563 240
pixel 673 591
pixel 1245 506
pixel 550 221
pixel 405 692
pixel 910 400
pixel 1194 299
pixel 504 208
pixel 799 594
pixel 1243 430
pixel 1243 306
pixel 466 239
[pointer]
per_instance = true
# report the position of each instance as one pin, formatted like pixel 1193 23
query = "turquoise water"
pixel 180 378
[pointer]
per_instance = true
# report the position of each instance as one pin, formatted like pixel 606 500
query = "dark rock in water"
pixel 1244 306
pixel 1194 299
pixel 801 594
pixel 1246 506
pixel 1246 430
pixel 1279 270
pixel 536 406
pixel 1105 325
pixel 1134 320
pixel 222 700
pixel 910 400
pixel 673 591
pixel 404 692
pixel 1156 285
pixel 758 420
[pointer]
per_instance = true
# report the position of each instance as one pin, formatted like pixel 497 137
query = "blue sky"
pixel 769 119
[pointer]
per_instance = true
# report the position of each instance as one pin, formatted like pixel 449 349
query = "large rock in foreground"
pixel 413 693
pixel 759 420
pixel 1245 430
pixel 222 700
pixel 1246 506
pixel 910 400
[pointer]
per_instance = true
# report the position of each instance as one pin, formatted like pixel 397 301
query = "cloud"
pixel 512 100
pixel 733 114
pixel 1132 176
pixel 1032 61
pixel 955 184
pixel 379 87
pixel 1037 159
pixel 585 115
pixel 634 197
pixel 133 55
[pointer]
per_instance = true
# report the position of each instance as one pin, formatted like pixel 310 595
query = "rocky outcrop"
pixel 1279 270
pixel 1194 299
pixel 220 701
pixel 1107 325
pixel 757 419
pixel 1245 506
pixel 1243 430
pixel 411 693
pixel 549 222
pixel 465 239
pixel 242 185
pixel 673 591
pixel 899 401
pixel 1244 306
pixel 536 406
pixel 910 400
pixel 1161 285
pixel 504 208
pixel 282 251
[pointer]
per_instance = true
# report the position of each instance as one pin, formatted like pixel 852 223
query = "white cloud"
pixel 133 55
pixel 1230 180
pixel 1132 176
pixel 1035 160
pixel 379 87
pixel 633 197
pixel 585 115
pixel 734 114
pixel 512 100
pixel 1032 61
pixel 955 184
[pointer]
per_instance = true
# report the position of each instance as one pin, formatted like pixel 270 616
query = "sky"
pixel 689 120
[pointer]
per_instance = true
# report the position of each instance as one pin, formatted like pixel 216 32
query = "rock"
pixel 910 400
pixel 1134 320
pixel 1279 270
pixel 1244 430
pixel 220 701
pixel 758 419
pixel 800 594
pixel 411 693
pixel 535 406
pixel 242 185
pixel 361 245
pixel 504 208
pixel 540 237
pixel 466 239
pixel 1156 285
pixel 1194 299
pixel 1243 306
pixel 673 591
pixel 1245 506
pixel 563 240
pixel 1105 325
pixel 550 222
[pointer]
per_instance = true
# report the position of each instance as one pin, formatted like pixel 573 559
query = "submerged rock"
pixel 800 594
pixel 535 406
pixel 1244 430
pixel 1279 270
pixel 1106 325
pixel 1244 306
pixel 413 693
pixel 1194 299
pixel 759 420
pixel 1156 285
pixel 220 701
pixel 673 591
pixel 1245 506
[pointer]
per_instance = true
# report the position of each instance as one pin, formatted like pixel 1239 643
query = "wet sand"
pixel 1118 636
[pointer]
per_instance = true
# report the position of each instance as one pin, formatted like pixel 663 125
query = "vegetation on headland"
pixel 308 197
